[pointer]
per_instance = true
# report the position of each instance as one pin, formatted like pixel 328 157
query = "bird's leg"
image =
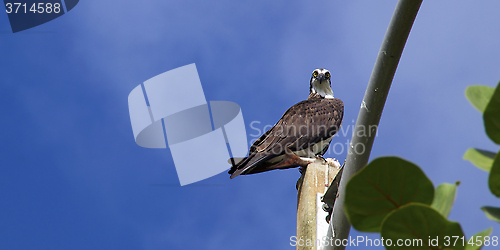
pixel 291 160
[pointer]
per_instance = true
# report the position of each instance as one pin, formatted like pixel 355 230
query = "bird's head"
pixel 321 84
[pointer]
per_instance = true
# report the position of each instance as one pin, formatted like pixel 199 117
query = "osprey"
pixel 305 130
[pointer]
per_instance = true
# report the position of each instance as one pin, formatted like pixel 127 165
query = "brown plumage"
pixel 305 129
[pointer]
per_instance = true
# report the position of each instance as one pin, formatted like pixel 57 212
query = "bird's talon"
pixel 320 158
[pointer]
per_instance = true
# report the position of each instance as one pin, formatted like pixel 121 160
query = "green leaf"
pixel 421 227
pixel 491 117
pixel 479 236
pixel 479 96
pixel 382 186
pixel 494 178
pixel 480 158
pixel 444 196
pixel 493 213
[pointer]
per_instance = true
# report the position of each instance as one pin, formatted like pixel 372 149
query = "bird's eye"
pixel 327 74
pixel 315 73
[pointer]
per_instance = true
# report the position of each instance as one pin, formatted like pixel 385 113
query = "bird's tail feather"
pixel 247 165
pixel 235 162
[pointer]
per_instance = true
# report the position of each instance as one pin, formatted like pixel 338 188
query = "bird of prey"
pixel 305 130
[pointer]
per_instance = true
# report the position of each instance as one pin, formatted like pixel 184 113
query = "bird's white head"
pixel 321 84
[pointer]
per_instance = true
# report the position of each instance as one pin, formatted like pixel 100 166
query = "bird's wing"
pixel 303 125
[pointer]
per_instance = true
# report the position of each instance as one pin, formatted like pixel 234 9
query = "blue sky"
pixel 72 176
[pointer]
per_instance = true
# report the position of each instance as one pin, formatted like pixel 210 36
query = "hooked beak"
pixel 321 77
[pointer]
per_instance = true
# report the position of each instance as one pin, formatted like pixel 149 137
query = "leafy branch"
pixel 487 101
pixel 394 197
